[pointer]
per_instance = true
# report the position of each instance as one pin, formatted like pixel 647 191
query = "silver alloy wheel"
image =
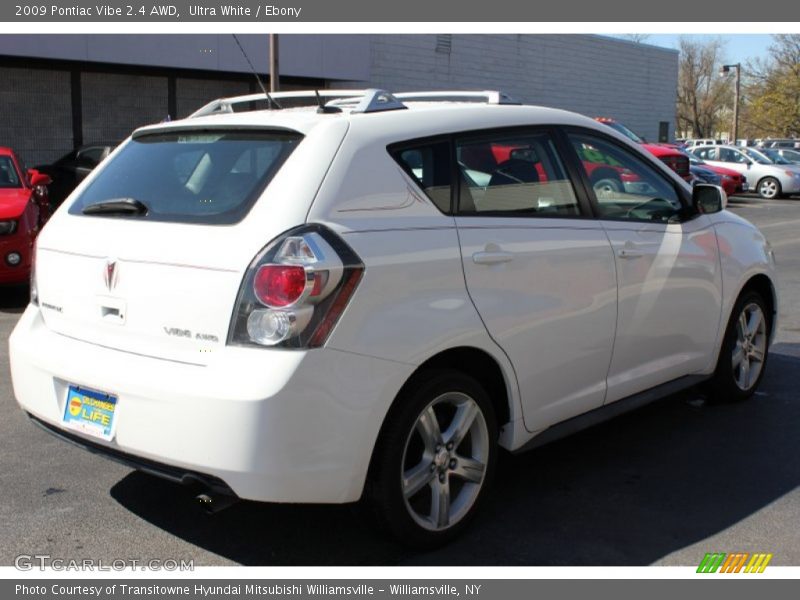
pixel 443 469
pixel 607 188
pixel 769 188
pixel 750 348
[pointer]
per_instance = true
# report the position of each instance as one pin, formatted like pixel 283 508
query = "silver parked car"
pixel 780 143
pixel 792 156
pixel 768 178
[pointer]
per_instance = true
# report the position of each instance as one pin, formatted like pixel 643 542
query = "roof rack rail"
pixel 485 96
pixel 360 101
pixel 373 100
pixel 225 105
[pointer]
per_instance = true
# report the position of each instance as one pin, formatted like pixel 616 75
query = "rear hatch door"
pixel 149 256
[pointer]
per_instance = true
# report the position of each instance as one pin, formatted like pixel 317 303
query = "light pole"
pixel 724 71
pixel 274 85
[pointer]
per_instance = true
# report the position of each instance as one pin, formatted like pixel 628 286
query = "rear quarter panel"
pixel 412 301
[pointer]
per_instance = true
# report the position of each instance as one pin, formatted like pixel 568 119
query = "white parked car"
pixel 701 142
pixel 769 178
pixel 373 297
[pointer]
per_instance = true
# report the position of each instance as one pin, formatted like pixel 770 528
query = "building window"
pixel 444 43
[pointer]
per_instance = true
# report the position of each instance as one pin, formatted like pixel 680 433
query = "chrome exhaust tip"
pixel 214 503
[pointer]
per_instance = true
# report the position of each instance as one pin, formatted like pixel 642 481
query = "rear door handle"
pixel 492 257
pixel 628 253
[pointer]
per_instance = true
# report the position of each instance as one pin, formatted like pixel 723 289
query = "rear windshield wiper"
pixel 116 206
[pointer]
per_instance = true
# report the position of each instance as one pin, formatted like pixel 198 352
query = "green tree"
pixel 773 90
pixel 703 96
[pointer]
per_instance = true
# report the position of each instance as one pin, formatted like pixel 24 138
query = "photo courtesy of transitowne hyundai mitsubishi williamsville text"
pixel 205 591
pixel 377 293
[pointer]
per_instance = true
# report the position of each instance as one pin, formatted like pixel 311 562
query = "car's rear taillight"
pixel 277 286
pixel 295 290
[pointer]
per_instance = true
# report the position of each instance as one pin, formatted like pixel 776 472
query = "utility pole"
pixel 724 71
pixel 274 84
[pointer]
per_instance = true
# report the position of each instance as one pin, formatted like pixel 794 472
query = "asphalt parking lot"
pixel 663 485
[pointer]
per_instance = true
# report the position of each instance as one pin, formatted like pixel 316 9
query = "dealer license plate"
pixel 90 412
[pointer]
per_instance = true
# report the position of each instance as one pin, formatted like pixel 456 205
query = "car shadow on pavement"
pixel 627 492
pixel 14 298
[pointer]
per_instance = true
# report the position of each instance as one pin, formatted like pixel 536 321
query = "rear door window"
pixel 513 175
pixel 211 177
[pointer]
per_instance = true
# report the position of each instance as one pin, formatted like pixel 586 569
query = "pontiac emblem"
pixel 111 274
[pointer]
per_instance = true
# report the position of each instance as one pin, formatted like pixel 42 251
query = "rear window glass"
pixel 209 177
pixel 8 174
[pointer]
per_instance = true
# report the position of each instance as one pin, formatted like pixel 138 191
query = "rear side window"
pixel 429 165
pixel 706 153
pixel 211 177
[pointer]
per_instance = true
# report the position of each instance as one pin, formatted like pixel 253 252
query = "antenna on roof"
pixel 322 108
pixel 270 100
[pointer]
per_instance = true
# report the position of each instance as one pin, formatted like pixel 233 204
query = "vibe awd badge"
pixel 187 333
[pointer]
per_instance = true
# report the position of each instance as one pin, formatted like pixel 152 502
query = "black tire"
pixel 401 441
pixel 769 188
pixel 725 385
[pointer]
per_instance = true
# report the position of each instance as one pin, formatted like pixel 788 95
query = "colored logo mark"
pixel 736 562
pixel 75 406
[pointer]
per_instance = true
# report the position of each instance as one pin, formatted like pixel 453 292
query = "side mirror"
pixel 38 179
pixel 708 199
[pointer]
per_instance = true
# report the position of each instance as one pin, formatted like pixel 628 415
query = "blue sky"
pixel 738 47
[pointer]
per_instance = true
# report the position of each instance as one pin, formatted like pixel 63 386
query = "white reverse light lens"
pixel 296 250
pixel 270 327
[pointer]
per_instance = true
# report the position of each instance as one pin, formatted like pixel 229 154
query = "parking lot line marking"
pixel 779 224
pixel 784 243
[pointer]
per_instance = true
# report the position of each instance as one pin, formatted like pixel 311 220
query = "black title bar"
pixel 439 11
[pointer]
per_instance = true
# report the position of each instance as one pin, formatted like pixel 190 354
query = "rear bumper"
pixel 162 470
pixel 279 426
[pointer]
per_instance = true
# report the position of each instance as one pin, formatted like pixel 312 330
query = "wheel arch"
pixel 763 284
pixel 480 365
pixel 474 362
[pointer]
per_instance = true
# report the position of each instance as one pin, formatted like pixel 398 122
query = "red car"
pixel 671 156
pixel 24 209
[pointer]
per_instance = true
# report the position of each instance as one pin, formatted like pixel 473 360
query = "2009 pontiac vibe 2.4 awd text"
pixel 369 294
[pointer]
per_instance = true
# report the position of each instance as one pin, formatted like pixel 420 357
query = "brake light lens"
pixel 277 286
pixel 295 290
